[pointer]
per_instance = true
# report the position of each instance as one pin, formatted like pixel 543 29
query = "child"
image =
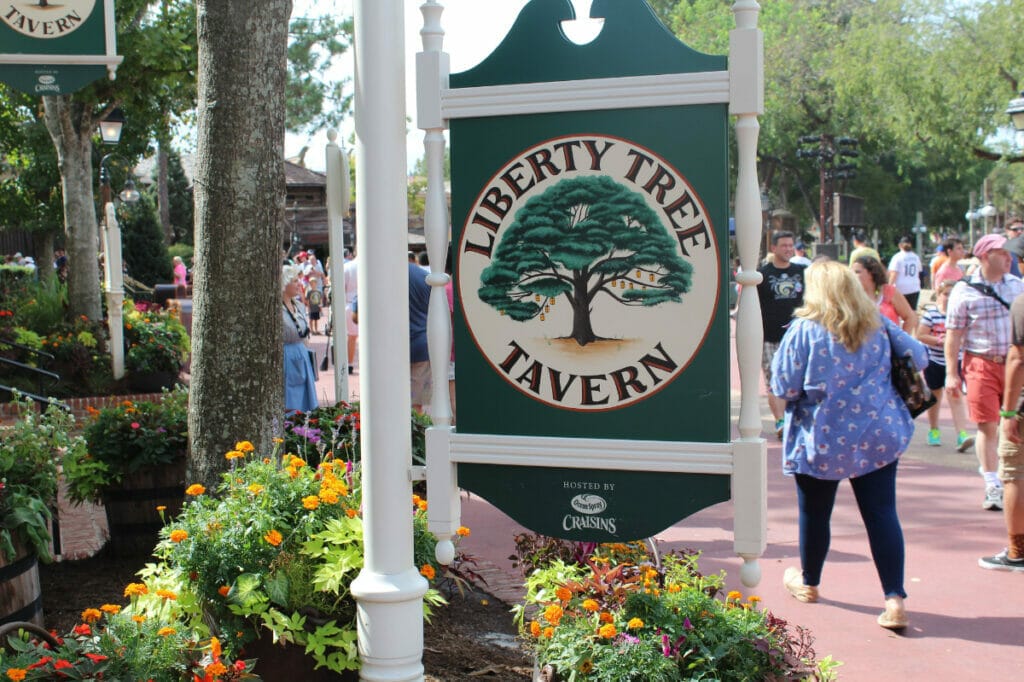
pixel 932 332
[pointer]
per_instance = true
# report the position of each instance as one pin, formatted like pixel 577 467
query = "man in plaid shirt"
pixel 978 323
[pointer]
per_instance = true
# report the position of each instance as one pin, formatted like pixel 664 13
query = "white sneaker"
pixel 993 498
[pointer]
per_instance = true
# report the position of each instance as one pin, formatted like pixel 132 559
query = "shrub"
pixel 145 251
pixel 157 340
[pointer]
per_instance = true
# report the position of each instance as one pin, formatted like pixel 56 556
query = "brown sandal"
pixel 793 579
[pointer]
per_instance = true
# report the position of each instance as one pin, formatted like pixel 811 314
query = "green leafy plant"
pixel 624 615
pixel 275 549
pixel 31 449
pixel 41 305
pixel 146 640
pixel 124 439
pixel 157 340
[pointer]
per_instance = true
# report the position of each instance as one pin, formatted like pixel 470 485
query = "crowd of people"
pixel 830 332
pixel 59 263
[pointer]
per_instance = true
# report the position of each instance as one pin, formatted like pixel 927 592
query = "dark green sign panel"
pixel 42 30
pixel 591 268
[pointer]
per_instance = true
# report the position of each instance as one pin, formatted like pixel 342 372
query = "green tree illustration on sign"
pixel 583 237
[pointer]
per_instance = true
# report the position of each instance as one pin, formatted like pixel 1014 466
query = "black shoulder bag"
pixel 908 382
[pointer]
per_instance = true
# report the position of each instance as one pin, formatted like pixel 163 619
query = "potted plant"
pixel 158 346
pixel 133 463
pixel 267 560
pixel 31 450
pixel 146 640
pixel 624 614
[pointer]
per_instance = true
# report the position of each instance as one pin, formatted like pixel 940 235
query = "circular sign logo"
pixel 47 18
pixel 588 272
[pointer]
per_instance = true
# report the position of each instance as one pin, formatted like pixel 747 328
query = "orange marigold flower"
pixel 549 632
pixel 674 588
pixel 734 594
pixel 753 599
pixel 311 502
pixel 244 446
pixel 255 489
pixel 91 615
pixel 166 631
pixel 195 489
pixel 416 499
pixel 167 595
pixel 223 590
pixel 273 537
pixel 351 513
pixel 590 605
pixel 563 593
pixel 16 674
pixel 277 440
pixel 427 571
pixel 422 505
pixel 215 650
pixel 328 496
pixel 605 617
pixel 535 628
pixel 161 507
pixel 293 472
pixel 607 631
pixel 234 454
pixel 462 532
pixel 216 669
pixel 635 624
pixel 110 608
pixel 177 535
pixel 553 614
pixel 139 619
pixel 136 590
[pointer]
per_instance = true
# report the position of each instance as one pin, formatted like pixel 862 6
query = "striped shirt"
pixel 985 321
pixel 935 320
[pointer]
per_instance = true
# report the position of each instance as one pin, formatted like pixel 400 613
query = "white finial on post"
pixel 337 208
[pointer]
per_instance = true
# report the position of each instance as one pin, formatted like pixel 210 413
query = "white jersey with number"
pixel 907 267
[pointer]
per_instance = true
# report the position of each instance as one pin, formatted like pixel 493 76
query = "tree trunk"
pixel 163 198
pixel 42 252
pixel 237 377
pixel 582 330
pixel 71 129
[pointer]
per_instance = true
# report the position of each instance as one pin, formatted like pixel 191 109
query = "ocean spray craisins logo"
pixel 46 18
pixel 588 272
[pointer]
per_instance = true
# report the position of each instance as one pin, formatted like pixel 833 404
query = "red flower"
pixel 96 658
pixel 82 629
pixel 136 425
pixel 61 664
pixel 40 663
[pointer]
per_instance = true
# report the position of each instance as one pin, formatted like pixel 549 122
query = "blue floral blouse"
pixel 843 416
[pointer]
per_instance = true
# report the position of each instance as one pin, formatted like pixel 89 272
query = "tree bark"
pixel 237 376
pixel 162 195
pixel 71 128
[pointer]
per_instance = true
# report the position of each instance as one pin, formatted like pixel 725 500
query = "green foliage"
pixel 625 615
pixel 157 340
pixel 313 44
pixel 577 240
pixel 145 252
pixel 183 251
pixel 40 305
pixel 276 547
pixel 31 449
pixel 145 641
pixel 127 438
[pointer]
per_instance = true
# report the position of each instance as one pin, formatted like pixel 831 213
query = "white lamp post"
pixel 986 212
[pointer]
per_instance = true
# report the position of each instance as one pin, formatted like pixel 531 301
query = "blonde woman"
pixel 844 420
pixel 299 377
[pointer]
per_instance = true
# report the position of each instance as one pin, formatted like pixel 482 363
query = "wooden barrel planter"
pixel 289 661
pixel 131 508
pixel 21 597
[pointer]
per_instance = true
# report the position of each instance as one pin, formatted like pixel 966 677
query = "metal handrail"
pixel 28 349
pixel 30 368
pixel 41 399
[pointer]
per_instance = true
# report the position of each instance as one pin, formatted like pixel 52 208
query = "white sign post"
pixel 389 590
pixel 113 282
pixel 337 209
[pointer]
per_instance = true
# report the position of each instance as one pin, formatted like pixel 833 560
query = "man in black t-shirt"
pixel 781 291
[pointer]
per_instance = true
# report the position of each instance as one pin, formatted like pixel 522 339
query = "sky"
pixel 472 29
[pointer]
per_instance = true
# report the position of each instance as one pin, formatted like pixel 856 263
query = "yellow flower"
pixel 216 669
pixel 734 594
pixel 277 440
pixel 652 573
pixel 273 537
pixel 244 446
pixel 297 462
pixel 311 502
pixel 215 650
pixel 422 505
pixel 635 624
pixel 607 631
pixel 586 667
pixel 166 594
pixel 553 614
pixel 234 454
pixel 535 628
pixel 16 674
pixel 136 590
pixel 177 535
pixel 416 499
pixel 563 593
pixel 674 588
pixel 161 507
pixel 91 615
pixel 427 571
pixel 195 490
pixel 549 632
pixel 166 631
pixel 590 605
pixel 328 496
pixel 255 489
pixel 139 619
pixel 293 472
pixel 605 617
pixel 110 608
pixel 462 532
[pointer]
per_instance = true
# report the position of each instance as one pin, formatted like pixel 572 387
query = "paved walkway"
pixel 966 622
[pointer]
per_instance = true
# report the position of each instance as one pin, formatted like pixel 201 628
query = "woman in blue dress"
pixel 844 420
pixel 299 379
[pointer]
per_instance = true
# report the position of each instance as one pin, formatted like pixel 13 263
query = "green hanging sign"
pixel 591 252
pixel 56 47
